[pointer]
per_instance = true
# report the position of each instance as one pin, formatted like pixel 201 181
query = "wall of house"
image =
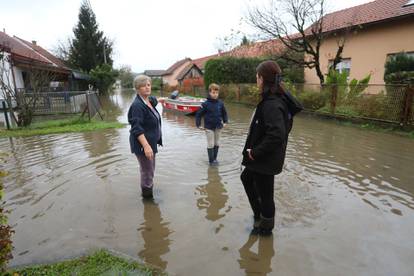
pixel 368 49
pixel 172 78
pixel 18 75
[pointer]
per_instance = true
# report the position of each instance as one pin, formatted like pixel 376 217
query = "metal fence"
pixel 65 102
pixel 387 103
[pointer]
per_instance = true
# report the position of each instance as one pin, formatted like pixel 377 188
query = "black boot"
pixel 216 148
pixel 210 156
pixel 256 225
pixel 266 226
pixel 147 193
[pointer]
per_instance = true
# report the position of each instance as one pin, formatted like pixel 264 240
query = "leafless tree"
pixel 299 25
pixel 39 79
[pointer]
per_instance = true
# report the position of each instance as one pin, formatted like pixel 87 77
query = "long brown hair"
pixel 272 77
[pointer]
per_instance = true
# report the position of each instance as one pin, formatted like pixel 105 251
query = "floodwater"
pixel 344 203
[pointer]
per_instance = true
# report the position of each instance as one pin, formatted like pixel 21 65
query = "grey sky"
pixel 148 34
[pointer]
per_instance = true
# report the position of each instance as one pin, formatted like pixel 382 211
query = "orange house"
pixel 374 31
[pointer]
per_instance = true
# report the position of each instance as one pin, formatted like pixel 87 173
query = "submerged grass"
pixel 100 263
pixel 76 124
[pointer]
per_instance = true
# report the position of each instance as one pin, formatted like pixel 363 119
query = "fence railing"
pixel 64 102
pixel 387 103
pixel 52 103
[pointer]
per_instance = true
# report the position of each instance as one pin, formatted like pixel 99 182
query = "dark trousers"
pixel 259 189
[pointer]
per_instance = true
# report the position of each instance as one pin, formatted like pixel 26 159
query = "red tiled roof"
pixel 44 53
pixel 19 48
pixel 200 62
pixel 372 12
pixel 176 65
pixel 258 49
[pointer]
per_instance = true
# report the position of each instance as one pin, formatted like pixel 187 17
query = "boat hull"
pixel 185 106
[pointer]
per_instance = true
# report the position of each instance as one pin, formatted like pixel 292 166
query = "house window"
pixel 343 66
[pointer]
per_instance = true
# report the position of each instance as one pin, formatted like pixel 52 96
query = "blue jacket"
pixel 214 113
pixel 144 121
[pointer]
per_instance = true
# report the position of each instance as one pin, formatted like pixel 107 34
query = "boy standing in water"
pixel 215 118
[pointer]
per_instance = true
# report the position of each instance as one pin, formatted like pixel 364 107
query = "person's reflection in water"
pixel 155 233
pixel 259 263
pixel 213 195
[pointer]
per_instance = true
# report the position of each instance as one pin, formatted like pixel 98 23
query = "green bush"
pixel 103 76
pixel 398 63
pixel 226 70
pixel 313 100
pixel 5 230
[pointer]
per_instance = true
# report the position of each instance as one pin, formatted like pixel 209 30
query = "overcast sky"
pixel 148 34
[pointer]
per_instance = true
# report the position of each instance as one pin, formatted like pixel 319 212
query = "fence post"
pixel 238 93
pixel 408 103
pixel 334 96
pixel 87 105
pixel 5 114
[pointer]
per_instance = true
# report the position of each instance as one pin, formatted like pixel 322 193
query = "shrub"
pixel 225 70
pixel 313 100
pixel 5 230
pixel 103 76
pixel 398 63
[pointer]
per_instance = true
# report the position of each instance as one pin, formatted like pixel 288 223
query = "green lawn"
pixel 101 263
pixel 60 126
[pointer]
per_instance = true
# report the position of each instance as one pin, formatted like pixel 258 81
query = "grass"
pixel 100 263
pixel 59 126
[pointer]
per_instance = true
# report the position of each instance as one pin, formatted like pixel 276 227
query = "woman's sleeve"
pixel 136 119
pixel 274 134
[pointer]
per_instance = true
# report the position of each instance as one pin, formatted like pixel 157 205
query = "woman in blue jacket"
pixel 145 133
pixel 215 118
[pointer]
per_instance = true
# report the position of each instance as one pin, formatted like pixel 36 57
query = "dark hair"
pixel 272 77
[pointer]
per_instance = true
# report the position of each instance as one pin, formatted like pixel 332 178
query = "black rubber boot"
pixel 147 193
pixel 216 148
pixel 266 226
pixel 210 156
pixel 256 225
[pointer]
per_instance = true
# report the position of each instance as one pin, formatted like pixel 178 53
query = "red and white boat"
pixel 186 105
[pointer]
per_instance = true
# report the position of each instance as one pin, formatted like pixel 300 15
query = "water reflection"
pixel 213 195
pixel 257 262
pixel 155 232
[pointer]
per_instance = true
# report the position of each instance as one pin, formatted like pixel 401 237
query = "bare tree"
pixel 39 79
pixel 299 25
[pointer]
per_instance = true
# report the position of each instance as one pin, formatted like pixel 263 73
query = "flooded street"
pixel 344 204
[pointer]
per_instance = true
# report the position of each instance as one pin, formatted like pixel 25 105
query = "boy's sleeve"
pixel 224 114
pixel 200 113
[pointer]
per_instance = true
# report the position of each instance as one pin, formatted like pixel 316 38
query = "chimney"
pixel 4 30
pixel 34 42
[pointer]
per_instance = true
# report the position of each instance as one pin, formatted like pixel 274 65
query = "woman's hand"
pixel 148 152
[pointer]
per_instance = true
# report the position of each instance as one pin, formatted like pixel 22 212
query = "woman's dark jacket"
pixel 214 113
pixel 268 135
pixel 144 121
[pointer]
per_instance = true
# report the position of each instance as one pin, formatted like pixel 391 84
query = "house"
pixel 171 74
pixel 23 57
pixel 191 75
pixel 373 31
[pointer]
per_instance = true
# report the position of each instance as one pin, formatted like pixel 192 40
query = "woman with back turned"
pixel 265 148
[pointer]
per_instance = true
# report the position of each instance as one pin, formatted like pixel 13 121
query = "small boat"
pixel 186 105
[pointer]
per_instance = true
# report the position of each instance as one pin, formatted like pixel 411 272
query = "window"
pixel 343 66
